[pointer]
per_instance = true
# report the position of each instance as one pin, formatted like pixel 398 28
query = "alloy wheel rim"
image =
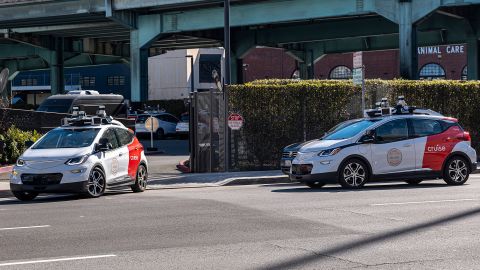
pixel 141 177
pixel 354 174
pixel 96 183
pixel 457 170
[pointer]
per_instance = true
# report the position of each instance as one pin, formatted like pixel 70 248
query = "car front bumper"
pixel 326 178
pixel 77 187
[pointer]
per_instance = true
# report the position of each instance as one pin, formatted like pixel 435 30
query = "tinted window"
pixel 171 119
pixel 426 127
pixel 112 138
pixel 185 118
pixel 350 130
pixel 124 136
pixel 209 63
pixel 56 105
pixel 392 131
pixel 67 138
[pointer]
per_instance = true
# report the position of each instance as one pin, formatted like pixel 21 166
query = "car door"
pixel 111 157
pixel 123 153
pixel 393 150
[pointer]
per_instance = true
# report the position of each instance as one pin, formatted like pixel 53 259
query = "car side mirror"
pixel 29 144
pixel 369 137
pixel 103 145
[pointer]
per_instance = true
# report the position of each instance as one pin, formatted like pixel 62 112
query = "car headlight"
pixel 77 160
pixel 20 162
pixel 329 152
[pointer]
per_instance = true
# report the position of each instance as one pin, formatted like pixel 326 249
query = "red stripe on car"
pixel 439 146
pixel 135 154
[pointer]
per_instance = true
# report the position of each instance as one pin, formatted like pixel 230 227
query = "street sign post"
pixel 359 74
pixel 151 124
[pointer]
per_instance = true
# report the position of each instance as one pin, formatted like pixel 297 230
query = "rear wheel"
pixel 96 183
pixel 141 179
pixel 25 195
pixel 413 182
pixel 353 174
pixel 315 185
pixel 456 171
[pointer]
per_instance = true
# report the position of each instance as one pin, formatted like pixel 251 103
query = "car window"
pixel 185 118
pixel 142 118
pixel 426 127
pixel 392 131
pixel 56 105
pixel 112 138
pixel 68 138
pixel 171 118
pixel 124 136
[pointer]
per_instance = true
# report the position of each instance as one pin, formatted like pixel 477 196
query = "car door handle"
pixel 407 145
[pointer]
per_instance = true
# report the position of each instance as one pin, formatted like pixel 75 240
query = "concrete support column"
pixel 473 58
pixel 57 80
pixel 408 42
pixel 139 72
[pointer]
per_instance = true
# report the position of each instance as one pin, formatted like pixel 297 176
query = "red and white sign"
pixel 235 121
pixel 358 60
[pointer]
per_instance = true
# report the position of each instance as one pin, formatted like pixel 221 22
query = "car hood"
pixel 318 145
pixel 55 154
pixel 296 146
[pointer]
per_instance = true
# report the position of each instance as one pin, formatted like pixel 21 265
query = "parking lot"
pixel 284 226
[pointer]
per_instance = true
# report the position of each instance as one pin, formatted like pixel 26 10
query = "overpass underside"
pixel 48 34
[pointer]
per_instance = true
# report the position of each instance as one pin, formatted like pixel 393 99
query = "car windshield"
pixel 56 105
pixel 67 138
pixel 350 129
pixel 185 118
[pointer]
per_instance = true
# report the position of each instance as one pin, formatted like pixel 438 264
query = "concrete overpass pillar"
pixel 57 80
pixel 149 28
pixel 408 42
pixel 472 58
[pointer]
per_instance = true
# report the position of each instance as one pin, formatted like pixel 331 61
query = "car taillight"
pixel 466 136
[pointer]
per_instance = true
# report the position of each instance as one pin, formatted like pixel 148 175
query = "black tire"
pixel 315 185
pixel 353 174
pixel 96 183
pixel 413 181
pixel 25 195
pixel 160 134
pixel 456 171
pixel 141 180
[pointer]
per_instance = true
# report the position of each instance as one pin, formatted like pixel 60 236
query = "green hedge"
pixel 14 140
pixel 281 112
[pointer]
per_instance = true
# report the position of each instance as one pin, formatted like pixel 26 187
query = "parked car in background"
pixel 183 126
pixel 167 124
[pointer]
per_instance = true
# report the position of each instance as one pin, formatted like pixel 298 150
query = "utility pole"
pixel 227 78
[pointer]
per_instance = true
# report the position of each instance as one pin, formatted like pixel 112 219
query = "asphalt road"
pixel 394 226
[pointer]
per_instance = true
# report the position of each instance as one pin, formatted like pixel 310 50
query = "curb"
pixel 6 169
pixel 5 194
pixel 255 180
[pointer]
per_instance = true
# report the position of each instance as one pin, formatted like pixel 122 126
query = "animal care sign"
pixel 449 49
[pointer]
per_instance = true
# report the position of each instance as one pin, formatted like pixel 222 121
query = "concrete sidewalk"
pixel 158 181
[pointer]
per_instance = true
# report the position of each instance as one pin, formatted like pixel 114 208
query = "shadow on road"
pixel 60 198
pixel 336 189
pixel 320 255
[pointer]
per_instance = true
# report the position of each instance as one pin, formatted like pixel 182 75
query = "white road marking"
pixel 22 228
pixel 58 260
pixel 423 202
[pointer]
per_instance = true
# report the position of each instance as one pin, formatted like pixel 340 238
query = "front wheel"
pixel 456 171
pixel 25 195
pixel 96 183
pixel 141 179
pixel 353 174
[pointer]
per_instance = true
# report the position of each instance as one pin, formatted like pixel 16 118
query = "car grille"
pixel 42 179
pixel 301 169
pixel 291 154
